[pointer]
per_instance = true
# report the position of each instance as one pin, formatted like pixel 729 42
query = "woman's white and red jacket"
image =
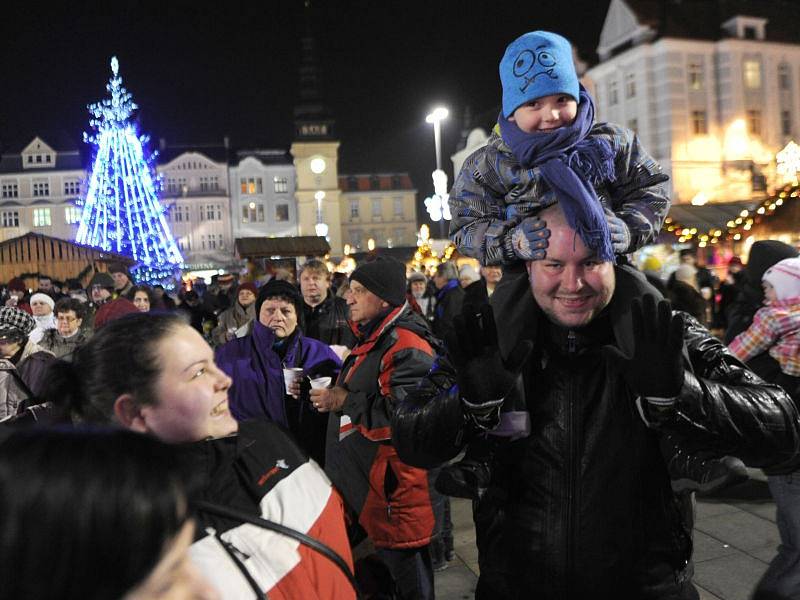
pixel 261 471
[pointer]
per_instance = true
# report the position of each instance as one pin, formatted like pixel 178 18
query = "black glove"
pixel 484 380
pixel 656 367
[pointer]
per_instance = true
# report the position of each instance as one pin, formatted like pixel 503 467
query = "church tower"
pixel 315 150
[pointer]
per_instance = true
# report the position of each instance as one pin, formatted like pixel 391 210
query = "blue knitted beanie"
pixel 537 64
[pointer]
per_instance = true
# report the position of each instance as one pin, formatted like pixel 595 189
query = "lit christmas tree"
pixel 121 211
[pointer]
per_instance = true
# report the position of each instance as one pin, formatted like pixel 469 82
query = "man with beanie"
pixel 547 148
pixel 23 364
pixel 100 291
pixel 233 319
pixel 391 500
pixel 256 363
pixel 123 282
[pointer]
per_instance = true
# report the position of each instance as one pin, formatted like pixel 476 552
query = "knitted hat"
pixel 103 280
pixel 537 64
pixel 785 278
pixel 15 323
pixel 651 263
pixel 120 268
pixel 15 284
pixel 417 276
pixel 250 286
pixel 113 310
pixel 39 297
pixel 279 287
pixel 385 277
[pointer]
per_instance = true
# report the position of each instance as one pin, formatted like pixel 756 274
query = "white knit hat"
pixel 784 276
pixel 43 298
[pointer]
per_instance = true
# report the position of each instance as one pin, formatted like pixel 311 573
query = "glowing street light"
pixel 437 205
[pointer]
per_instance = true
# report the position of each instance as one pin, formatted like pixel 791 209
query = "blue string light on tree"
pixel 121 211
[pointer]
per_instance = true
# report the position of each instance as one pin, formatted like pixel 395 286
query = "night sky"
pixel 201 74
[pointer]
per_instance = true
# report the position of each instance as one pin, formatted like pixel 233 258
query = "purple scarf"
pixel 571 162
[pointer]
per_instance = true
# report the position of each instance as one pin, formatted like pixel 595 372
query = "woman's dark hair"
pixel 120 358
pixel 85 513
pixel 147 290
pixel 70 304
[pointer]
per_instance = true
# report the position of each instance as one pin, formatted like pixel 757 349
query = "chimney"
pixel 162 144
pixel 226 141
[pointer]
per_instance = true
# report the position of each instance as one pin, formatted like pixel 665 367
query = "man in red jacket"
pixel 393 500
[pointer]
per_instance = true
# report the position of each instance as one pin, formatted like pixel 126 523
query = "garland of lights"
pixel 735 227
pixel 122 212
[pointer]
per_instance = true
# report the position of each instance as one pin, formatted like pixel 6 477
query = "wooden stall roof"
pixel 36 253
pixel 264 247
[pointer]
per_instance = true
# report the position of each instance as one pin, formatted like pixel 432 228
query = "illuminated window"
pixel 72 215
pixel 244 185
pixel 41 217
pixel 699 124
pixel 752 74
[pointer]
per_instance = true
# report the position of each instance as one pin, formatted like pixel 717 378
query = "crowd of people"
pixel 310 433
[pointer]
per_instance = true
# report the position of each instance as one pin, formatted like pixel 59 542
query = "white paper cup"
pixel 320 383
pixel 290 376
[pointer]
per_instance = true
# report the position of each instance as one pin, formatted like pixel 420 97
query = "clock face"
pixel 317 165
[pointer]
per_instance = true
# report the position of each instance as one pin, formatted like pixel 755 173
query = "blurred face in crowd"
pixel 142 301
pixel 279 315
pixel 120 280
pixel 174 577
pixel 100 294
pixel 246 298
pixel 547 113
pixel 45 285
pixel 18 294
pixel 492 275
pixel 418 289
pixel 67 322
pixel 9 346
pixel 40 308
pixel 364 305
pixel 769 292
pixel 191 393
pixel 571 285
pixel 689 259
pixel 314 286
pixel 439 281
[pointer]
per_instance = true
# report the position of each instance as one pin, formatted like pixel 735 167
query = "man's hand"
pixel 529 239
pixel 656 367
pixel 328 399
pixel 483 379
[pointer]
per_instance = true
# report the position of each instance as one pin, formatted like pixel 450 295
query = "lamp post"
pixel 437 204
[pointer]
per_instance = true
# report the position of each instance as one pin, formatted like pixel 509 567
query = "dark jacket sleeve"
pixel 726 408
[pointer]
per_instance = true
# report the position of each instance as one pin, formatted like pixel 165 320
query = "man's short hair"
pixel 65 305
pixel 315 266
pixel 447 270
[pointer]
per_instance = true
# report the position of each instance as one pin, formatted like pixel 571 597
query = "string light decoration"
pixel 121 211
pixel 736 228
pixel 426 258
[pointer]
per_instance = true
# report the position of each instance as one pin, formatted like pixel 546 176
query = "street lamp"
pixel 437 206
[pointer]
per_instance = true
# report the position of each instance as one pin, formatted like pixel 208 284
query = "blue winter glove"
pixel 620 234
pixel 529 239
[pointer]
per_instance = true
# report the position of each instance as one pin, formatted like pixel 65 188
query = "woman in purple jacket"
pixel 256 363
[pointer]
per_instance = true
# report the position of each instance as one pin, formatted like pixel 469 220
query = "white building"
pixel 39 185
pixel 712 94
pixel 262 186
pixel 196 197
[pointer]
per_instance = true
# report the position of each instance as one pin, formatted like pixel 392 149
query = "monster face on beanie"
pixel 537 64
pixel 784 277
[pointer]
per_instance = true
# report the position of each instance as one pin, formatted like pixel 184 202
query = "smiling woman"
pixel 152 373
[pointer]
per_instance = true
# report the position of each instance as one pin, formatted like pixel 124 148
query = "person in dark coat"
pixel 750 296
pixel 582 506
pixel 325 314
pixel 684 295
pixel 449 297
pixel 196 313
pixel 728 288
pixel 256 363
